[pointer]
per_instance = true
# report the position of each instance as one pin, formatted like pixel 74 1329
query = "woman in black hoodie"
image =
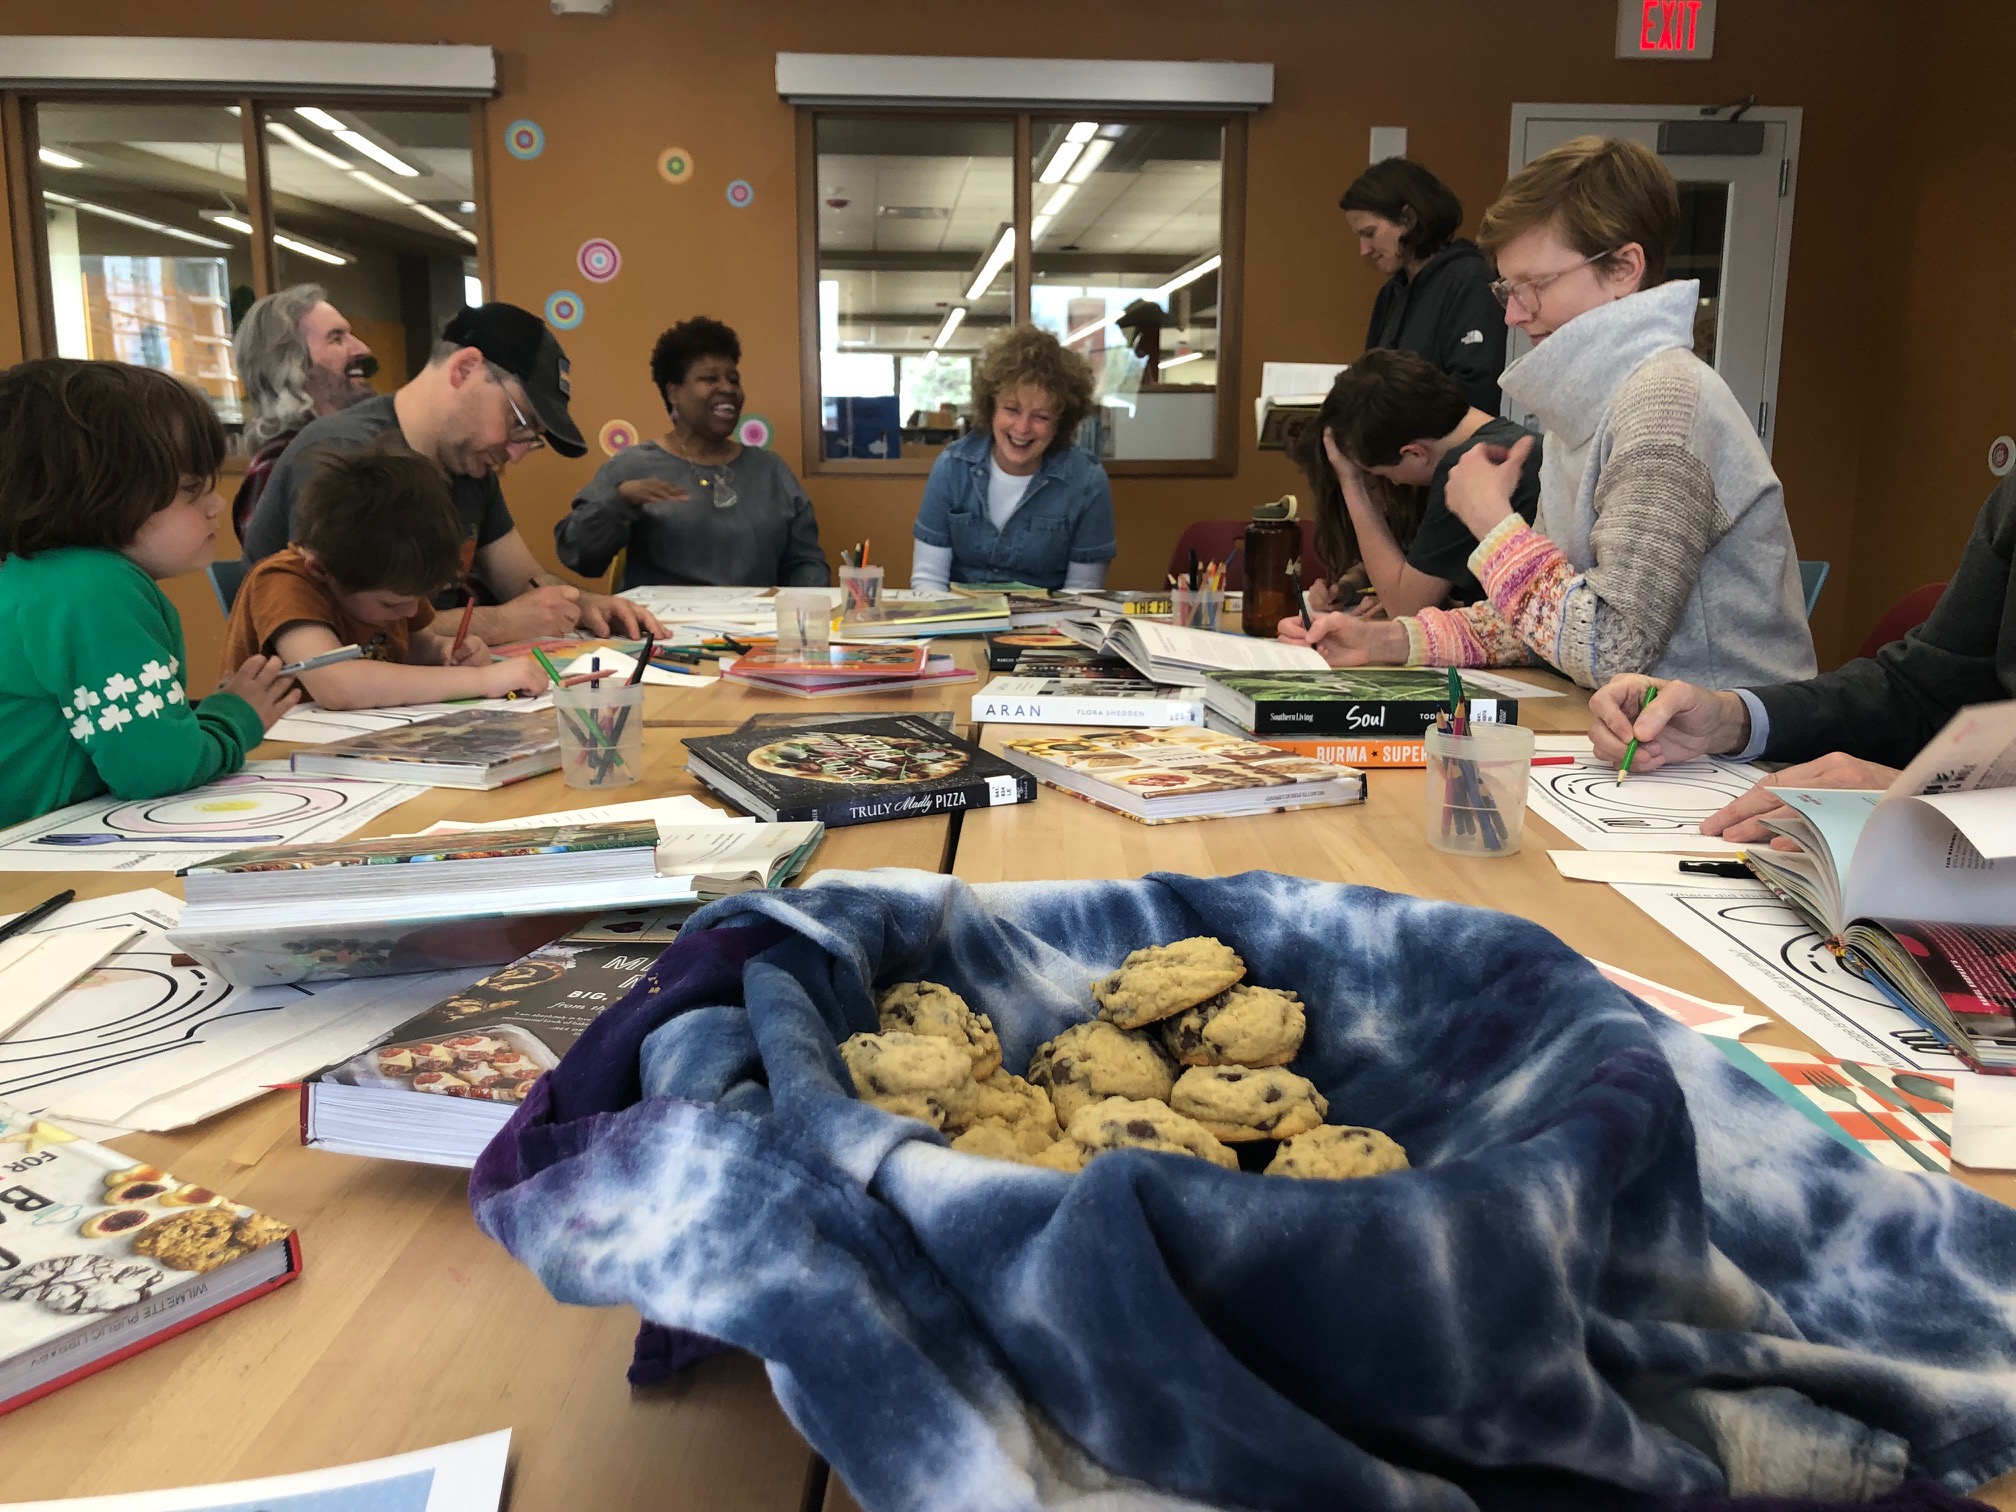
pixel 1437 299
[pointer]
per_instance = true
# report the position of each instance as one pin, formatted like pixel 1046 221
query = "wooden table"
pixel 408 1327
pixel 729 703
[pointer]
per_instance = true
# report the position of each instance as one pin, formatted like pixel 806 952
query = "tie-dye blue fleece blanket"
pixel 1619 1269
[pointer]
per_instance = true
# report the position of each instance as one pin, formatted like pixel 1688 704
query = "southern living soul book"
pixel 102 1256
pixel 1161 776
pixel 899 766
pixel 1392 703
pixel 441 1084
pixel 484 748
pixel 1375 751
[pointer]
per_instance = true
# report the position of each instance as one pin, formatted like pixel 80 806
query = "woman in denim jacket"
pixel 1013 501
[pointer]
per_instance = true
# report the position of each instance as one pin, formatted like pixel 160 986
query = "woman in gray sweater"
pixel 696 506
pixel 1661 543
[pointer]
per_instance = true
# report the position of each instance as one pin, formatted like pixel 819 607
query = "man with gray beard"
pixel 298 359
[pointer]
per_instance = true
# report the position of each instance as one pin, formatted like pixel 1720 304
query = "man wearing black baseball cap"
pixel 495 389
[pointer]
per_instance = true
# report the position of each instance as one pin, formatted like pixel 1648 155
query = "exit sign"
pixel 1665 28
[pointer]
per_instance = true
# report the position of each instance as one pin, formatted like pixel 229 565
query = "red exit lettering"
pixel 1669 25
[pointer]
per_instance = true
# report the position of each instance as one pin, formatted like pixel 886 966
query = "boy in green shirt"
pixel 108 479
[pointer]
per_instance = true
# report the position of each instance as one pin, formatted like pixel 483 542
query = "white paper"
pixel 1648 811
pixel 1782 962
pixel 1986 817
pixel 1984 1122
pixel 619 667
pixel 1563 745
pixel 311 724
pixel 265 804
pixel 39 966
pixel 1508 687
pixel 678 810
pixel 1658 868
pixel 1280 380
pixel 145 1043
pixel 467 1476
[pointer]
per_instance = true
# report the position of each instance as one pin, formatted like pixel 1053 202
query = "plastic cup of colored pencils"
pixel 601 732
pixel 1476 785
pixel 1197 608
pixel 863 587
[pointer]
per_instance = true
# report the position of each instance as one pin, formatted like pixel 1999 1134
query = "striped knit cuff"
pixel 1507 559
pixel 1444 640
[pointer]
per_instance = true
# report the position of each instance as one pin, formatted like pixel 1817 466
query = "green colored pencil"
pixel 1624 769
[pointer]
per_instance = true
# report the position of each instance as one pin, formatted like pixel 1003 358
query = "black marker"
pixel 1733 869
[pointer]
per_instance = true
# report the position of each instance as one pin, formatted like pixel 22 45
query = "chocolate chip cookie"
pixel 1336 1153
pixel 1240 1103
pixel 1120 1123
pixel 915 1075
pixel 1014 1108
pixel 1242 1026
pixel 1163 980
pixel 929 1009
pixel 1096 1060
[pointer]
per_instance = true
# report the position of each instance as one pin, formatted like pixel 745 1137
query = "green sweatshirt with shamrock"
pixel 91 696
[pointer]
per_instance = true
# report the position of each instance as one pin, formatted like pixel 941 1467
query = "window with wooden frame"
pixel 925 232
pixel 146 221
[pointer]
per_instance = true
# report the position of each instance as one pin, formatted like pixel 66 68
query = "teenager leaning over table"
pixel 1661 543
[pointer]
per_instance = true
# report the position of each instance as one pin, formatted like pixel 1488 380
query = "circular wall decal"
pixel 563 309
pixel 616 435
pixel 740 195
pixel 753 430
pixel 2001 456
pixel 598 259
pixel 675 165
pixel 524 140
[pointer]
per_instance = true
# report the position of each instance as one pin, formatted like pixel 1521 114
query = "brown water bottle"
pixel 1273 542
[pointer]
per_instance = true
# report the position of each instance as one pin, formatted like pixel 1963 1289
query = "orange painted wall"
pixel 610 93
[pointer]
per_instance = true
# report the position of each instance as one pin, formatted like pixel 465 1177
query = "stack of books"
pixel 1163 776
pixel 482 748
pixel 955 614
pixel 842 669
pixel 1358 716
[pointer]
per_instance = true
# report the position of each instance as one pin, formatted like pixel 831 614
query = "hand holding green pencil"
pixel 1631 750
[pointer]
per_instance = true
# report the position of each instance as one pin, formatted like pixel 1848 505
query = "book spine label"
pixel 1370 719
pixel 986 793
pixel 1125 713
pixel 1383 754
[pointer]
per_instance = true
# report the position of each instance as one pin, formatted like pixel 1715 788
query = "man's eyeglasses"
pixel 524 433
pixel 1528 290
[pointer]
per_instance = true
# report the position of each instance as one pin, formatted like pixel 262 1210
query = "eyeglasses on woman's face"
pixel 1526 292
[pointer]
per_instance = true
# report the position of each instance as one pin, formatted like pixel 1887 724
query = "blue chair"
pixel 1812 577
pixel 224 580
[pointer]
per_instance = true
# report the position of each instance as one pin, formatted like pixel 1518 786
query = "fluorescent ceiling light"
pixel 307 249
pixel 1187 277
pixel 1060 162
pixel 1038 228
pixel 54 159
pixel 996 260
pixel 1082 131
pixel 466 235
pixel 108 213
pixel 467 207
pixel 320 117
pixel 952 318
pixel 232 223
pixel 430 213
pixel 300 143
pixel 1179 359
pixel 382 187
pixel 1095 154
pixel 359 142
pixel 1059 198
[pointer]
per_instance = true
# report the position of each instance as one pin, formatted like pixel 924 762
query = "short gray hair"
pixel 273 363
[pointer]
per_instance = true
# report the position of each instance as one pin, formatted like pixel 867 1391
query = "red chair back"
pixel 1904 616
pixel 1214 540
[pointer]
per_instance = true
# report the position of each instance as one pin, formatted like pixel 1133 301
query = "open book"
pixel 1917 884
pixel 1172 654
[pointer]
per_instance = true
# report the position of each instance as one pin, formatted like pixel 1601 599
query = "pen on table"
pixel 326 659
pixel 1734 869
pixel 36 914
pixel 1554 760
pixel 462 630
pixel 1624 768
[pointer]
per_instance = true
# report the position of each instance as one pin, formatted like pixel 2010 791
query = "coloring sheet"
pixel 1778 957
pixel 1649 811
pixel 309 724
pixel 150 1040
pixel 265 804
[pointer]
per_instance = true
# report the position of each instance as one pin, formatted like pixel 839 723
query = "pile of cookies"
pixel 1185 1056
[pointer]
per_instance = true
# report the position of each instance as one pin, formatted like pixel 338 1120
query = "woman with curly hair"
pixel 1013 501
pixel 696 506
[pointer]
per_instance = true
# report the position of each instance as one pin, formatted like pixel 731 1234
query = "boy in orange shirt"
pixel 376 535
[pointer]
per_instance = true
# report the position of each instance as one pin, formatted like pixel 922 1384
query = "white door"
pixel 1735 232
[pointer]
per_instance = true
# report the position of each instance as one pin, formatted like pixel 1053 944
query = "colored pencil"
pixel 36 914
pixel 1624 767
pixel 462 630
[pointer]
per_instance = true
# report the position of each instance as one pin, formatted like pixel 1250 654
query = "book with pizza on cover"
pixel 1003 648
pixel 1394 703
pixel 441 1084
pixel 484 748
pixel 896 767
pixel 102 1256
pixel 1127 702
pixel 1160 776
